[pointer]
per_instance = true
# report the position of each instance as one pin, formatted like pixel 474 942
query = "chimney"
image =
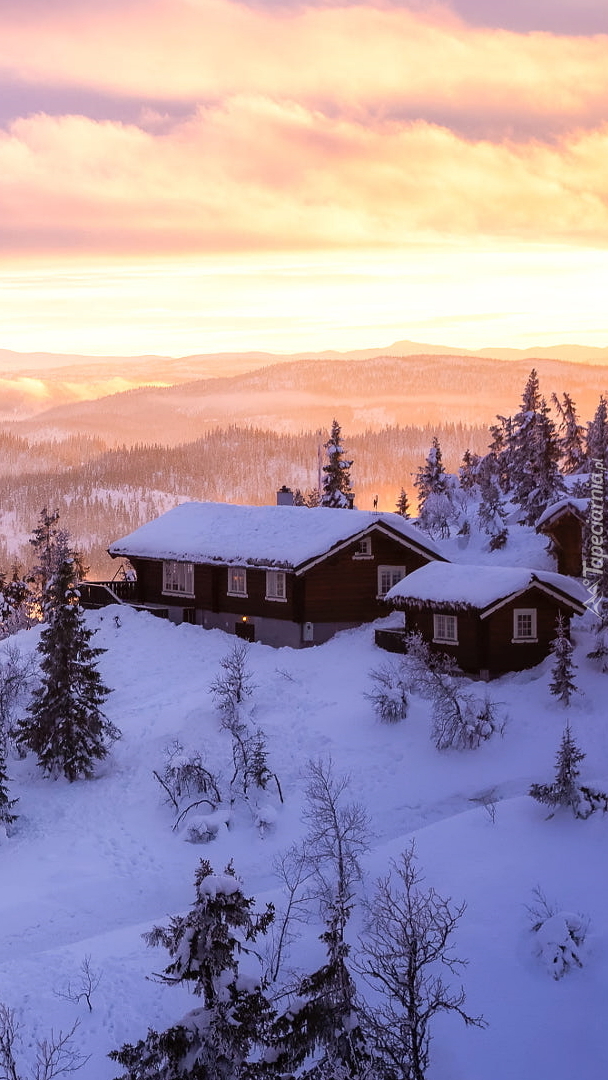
pixel 284 496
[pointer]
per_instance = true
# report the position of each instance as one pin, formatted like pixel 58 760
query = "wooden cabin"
pixel 563 523
pixel 283 575
pixel 489 619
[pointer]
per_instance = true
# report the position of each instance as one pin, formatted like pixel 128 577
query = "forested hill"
pixel 104 494
pixel 307 394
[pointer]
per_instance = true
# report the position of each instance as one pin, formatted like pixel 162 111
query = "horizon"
pixel 180 178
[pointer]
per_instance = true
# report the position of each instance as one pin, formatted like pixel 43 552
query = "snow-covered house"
pixel 489 619
pixel 563 523
pixel 283 575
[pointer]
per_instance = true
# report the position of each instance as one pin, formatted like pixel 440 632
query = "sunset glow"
pixel 183 176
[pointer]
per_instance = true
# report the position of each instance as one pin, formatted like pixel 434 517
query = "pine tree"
pixel 66 727
pixel 534 454
pixel 597 435
pixel 467 473
pixel 15 603
pixel 435 509
pixel 564 791
pixel 337 490
pixel 49 543
pixel 571 435
pixel 6 804
pixel 402 506
pixel 215 1041
pixel 562 684
pixel 501 448
pixel 492 512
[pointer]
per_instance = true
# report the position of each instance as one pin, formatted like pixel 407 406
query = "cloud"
pixel 255 174
pixel 357 61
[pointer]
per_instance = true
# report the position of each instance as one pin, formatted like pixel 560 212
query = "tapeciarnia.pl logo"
pixel 593 562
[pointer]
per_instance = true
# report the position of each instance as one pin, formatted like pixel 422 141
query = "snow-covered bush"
pixel 203 828
pixel 559 936
pixel 233 686
pixel 460 719
pixel 187 782
pixel 388 694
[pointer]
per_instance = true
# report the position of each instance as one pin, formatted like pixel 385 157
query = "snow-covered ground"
pixel 90 866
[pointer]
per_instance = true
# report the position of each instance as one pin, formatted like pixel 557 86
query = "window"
pixel 364 548
pixel 445 629
pixel 389 576
pixel 237 581
pixel 524 624
pixel 178 577
pixel 275 585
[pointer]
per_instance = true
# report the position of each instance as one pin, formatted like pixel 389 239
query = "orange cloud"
pixel 253 173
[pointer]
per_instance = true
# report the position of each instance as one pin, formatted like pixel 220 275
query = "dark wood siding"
pixel 567 537
pixel 255 603
pixel 487 644
pixel 503 654
pixel 344 588
pixel 468 653
pixel 211 590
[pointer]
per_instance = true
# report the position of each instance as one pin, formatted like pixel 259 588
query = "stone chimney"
pixel 284 496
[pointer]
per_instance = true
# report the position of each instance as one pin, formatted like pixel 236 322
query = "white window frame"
pixel 364 548
pixel 397 574
pixel 523 638
pixel 276 586
pixel 178 578
pixel 237 581
pixel 445 628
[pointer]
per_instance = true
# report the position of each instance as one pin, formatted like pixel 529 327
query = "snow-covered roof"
pixel 285 536
pixel 578 506
pixel 463 585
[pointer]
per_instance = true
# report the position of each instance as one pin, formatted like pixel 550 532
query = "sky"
pixel 182 176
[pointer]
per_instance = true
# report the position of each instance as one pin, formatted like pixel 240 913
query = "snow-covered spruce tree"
pixel 492 512
pixel 406 953
pixel 435 507
pixel 559 936
pixel 571 435
pixel 597 435
pixel 500 447
pixel 50 544
pixel 562 684
pixel 534 455
pixel 16 603
pixel 221 1038
pixel 7 817
pixel 66 727
pixel 467 473
pixel 319 1036
pixel 565 790
pixel 402 505
pixel 337 489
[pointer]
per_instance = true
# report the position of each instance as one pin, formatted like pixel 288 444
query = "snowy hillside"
pixel 92 865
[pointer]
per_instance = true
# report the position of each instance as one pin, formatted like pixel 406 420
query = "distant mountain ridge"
pixel 11 361
pixel 306 394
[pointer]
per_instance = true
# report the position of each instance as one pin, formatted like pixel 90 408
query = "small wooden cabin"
pixel 563 523
pixel 283 575
pixel 489 619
